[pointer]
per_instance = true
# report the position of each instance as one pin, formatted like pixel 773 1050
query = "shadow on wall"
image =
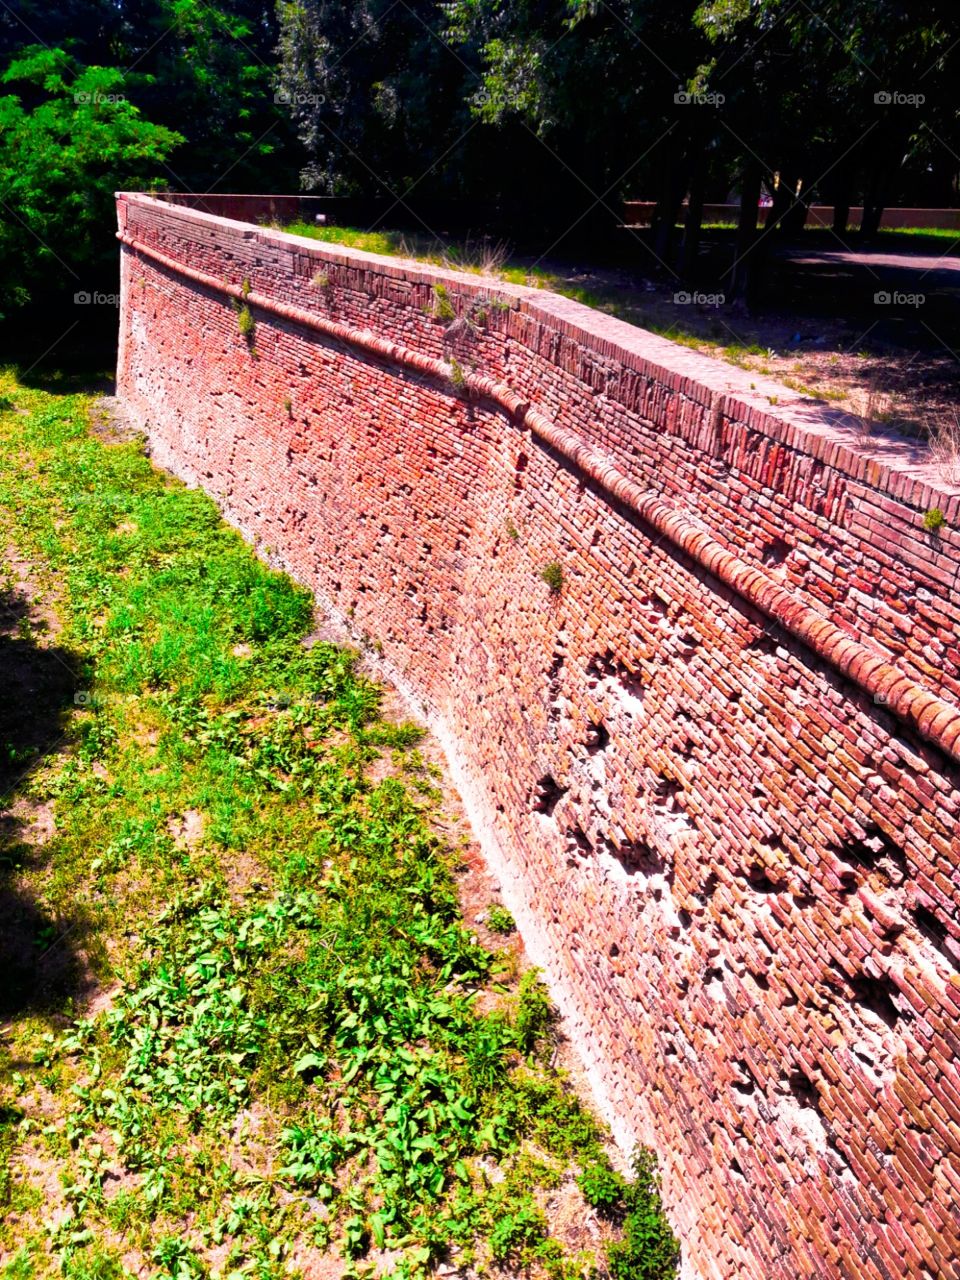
pixel 39 960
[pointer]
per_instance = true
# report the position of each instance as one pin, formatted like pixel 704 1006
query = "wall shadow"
pixel 40 965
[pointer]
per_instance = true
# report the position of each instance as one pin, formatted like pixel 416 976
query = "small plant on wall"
pixel 934 520
pixel 245 323
pixel 443 308
pixel 552 575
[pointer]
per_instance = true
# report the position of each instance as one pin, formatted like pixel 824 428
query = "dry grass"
pixel 945 447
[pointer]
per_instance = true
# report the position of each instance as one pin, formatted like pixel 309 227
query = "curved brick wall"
pixel 716 771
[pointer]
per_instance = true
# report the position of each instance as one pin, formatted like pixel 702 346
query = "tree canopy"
pixel 549 111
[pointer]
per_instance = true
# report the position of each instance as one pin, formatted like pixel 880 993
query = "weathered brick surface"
pixel 740 867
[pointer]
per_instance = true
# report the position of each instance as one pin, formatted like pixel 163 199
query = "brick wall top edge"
pixel 887 463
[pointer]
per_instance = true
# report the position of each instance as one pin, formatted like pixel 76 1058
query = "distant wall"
pixel 716 771
pixel 270 208
pixel 639 213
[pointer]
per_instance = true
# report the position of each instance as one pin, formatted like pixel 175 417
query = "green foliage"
pixel 69 137
pixel 602 1186
pixel 934 520
pixel 648 1249
pixel 95 1264
pixel 373 80
pixel 552 575
pixel 104 95
pixel 499 919
pixel 246 324
pixel 516 1232
pixel 177 1260
pixel 443 308
pixel 534 1015
pixel 19 1266
pixel 9 1119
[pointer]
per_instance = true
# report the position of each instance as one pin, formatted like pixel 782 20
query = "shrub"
pixel 534 1015
pixel 443 308
pixel 499 920
pixel 552 574
pixel 648 1250
pixel 602 1186
pixel 517 1231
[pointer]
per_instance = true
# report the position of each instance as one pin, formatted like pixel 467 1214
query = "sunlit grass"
pixel 288 1059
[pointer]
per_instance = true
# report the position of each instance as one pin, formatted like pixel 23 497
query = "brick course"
pixel 717 770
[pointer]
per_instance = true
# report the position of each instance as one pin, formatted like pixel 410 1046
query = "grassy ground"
pixel 481 257
pixel 937 240
pixel 245 1028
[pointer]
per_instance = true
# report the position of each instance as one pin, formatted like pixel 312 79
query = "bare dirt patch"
pixel 111 423
pixel 186 828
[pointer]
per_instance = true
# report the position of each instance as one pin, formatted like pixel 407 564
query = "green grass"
pixel 386 242
pixel 476 257
pixel 939 237
pixel 887 235
pixel 288 1057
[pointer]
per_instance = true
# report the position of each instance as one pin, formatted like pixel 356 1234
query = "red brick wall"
pixel 738 865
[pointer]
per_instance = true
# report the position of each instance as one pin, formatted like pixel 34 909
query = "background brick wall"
pixel 737 865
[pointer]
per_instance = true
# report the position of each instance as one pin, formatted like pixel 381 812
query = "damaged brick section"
pixel 718 761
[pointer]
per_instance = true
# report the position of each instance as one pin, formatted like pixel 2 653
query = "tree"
pixel 67 140
pixel 376 94
pixel 598 86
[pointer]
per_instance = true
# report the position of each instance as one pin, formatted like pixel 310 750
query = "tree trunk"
pixel 795 217
pixel 782 197
pixel 694 220
pixel 668 206
pixel 872 213
pixel 742 273
pixel 873 198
